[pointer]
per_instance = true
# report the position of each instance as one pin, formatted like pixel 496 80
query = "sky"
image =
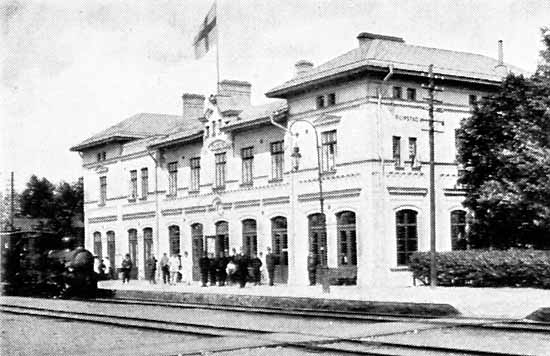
pixel 70 69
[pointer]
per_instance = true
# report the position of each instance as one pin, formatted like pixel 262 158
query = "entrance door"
pixel 111 252
pixel 147 247
pixel 279 246
pixel 250 239
pixel 318 239
pixel 197 239
pixel 222 238
pixel 132 250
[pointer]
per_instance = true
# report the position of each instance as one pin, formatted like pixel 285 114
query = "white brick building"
pixel 220 176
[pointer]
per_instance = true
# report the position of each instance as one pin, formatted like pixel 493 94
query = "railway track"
pixel 510 325
pixel 130 322
pixel 377 344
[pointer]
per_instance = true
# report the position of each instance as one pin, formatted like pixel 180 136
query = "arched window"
pixel 458 229
pixel 222 238
pixel 174 239
pixel 347 242
pixel 111 251
pixel 250 241
pixel 147 244
pixel 97 244
pixel 406 234
pixel 318 238
pixel 132 250
pixel 197 239
pixel 279 246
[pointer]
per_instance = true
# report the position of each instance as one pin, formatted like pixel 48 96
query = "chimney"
pixel 238 90
pixel 302 67
pixel 193 105
pixel 500 68
pixel 365 39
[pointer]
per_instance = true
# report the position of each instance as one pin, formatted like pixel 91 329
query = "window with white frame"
pixel 102 190
pixel 220 170
pixel 247 157
pixel 195 164
pixel 328 150
pixel 277 160
pixel 144 183
pixel 412 150
pixel 396 150
pixel 173 179
pixel 133 184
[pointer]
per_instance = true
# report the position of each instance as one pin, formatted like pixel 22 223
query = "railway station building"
pixel 227 174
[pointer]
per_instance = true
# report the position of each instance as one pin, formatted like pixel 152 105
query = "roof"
pixel 252 115
pixel 381 51
pixel 135 127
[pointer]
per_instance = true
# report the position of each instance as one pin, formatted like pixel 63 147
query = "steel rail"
pixel 513 325
pixel 131 322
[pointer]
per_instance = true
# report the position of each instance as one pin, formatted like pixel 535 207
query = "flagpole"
pixel 217 48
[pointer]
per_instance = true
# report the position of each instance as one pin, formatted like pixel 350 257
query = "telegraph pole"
pixel 432 88
pixel 12 203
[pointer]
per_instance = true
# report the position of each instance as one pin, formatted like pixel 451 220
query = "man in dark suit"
pixel 204 266
pixel 311 268
pixel 270 261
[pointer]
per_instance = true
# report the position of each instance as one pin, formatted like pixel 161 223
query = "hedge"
pixel 484 268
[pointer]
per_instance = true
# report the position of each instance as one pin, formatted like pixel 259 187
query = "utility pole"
pixel 432 88
pixel 12 203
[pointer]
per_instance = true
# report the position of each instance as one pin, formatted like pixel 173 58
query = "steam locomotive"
pixel 41 263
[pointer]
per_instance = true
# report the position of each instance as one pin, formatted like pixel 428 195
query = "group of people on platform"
pixel 237 268
pixel 214 270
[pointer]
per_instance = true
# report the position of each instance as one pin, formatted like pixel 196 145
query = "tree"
pixel 505 150
pixel 69 206
pixel 37 200
pixel 62 206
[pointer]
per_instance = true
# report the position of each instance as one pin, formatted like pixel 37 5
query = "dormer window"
pixel 411 94
pixel 331 99
pixel 472 100
pixel 320 101
pixel 397 93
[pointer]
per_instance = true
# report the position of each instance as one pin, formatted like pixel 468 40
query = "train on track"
pixel 42 263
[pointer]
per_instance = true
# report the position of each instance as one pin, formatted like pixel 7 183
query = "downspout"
pixel 382 177
pixel 378 121
pixel 157 247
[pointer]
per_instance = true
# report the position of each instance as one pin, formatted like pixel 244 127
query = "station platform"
pixel 498 303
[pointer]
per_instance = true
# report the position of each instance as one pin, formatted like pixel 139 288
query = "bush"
pixel 482 268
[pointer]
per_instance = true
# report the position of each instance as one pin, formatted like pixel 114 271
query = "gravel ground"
pixel 469 338
pixel 25 335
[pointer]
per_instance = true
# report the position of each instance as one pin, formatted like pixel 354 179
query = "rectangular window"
pixel 173 179
pixel 277 160
pixel 99 156
pixel 247 156
pixel 472 100
pixel 133 184
pixel 331 99
pixel 195 164
pixel 144 183
pixel 102 190
pixel 412 150
pixel 411 94
pixel 103 155
pixel 396 149
pixel 220 170
pixel 328 150
pixel 397 93
pixel 320 101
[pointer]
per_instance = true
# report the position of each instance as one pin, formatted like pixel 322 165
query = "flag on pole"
pixel 207 36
